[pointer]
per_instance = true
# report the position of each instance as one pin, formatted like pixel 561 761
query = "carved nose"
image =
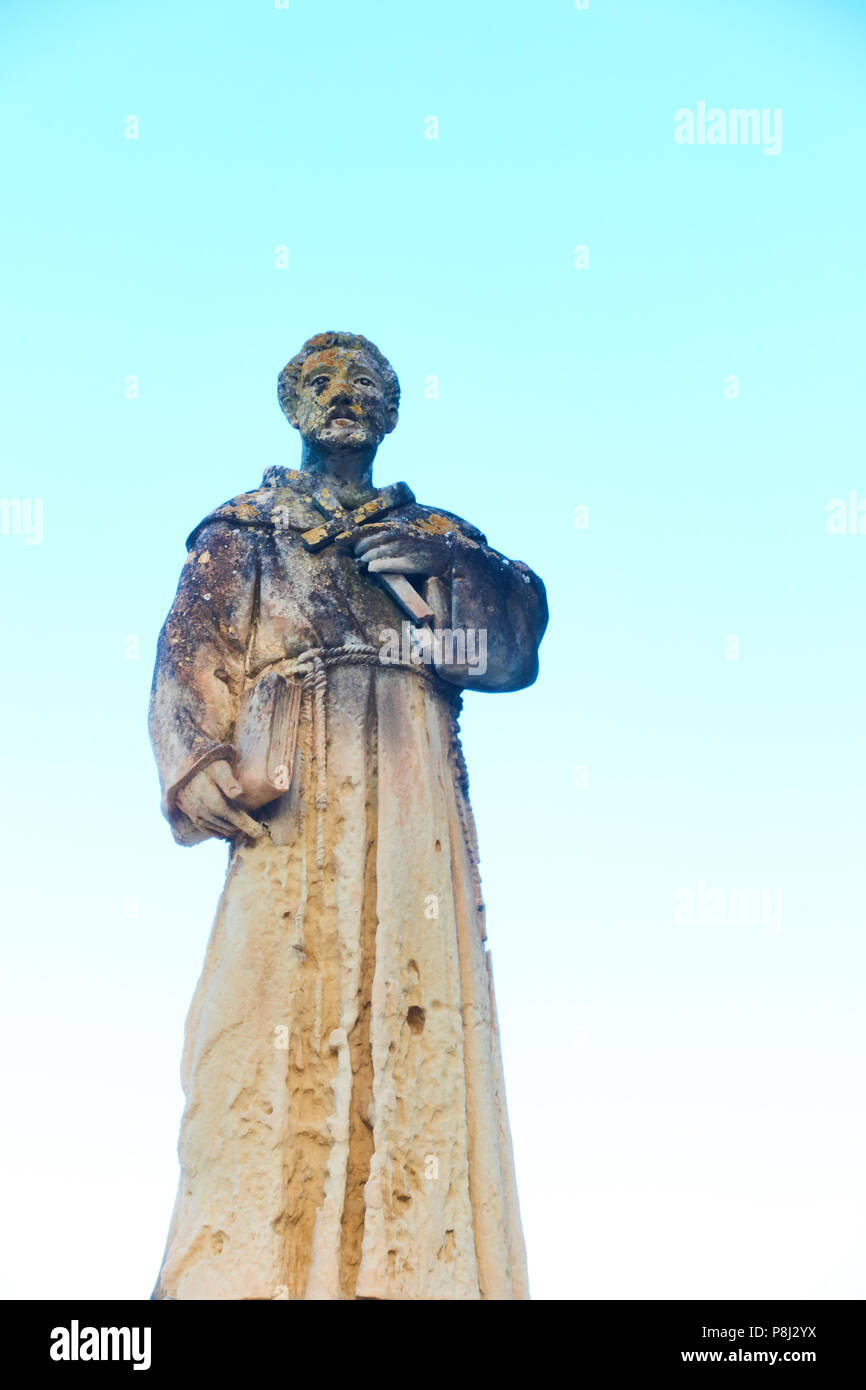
pixel 341 395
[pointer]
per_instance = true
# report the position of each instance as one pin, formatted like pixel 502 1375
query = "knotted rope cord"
pixel 313 665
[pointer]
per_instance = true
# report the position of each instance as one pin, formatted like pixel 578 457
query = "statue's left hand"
pixel 209 800
pixel 392 551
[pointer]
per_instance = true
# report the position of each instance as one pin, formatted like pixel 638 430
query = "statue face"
pixel 341 401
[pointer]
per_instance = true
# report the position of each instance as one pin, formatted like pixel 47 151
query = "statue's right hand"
pixel 208 801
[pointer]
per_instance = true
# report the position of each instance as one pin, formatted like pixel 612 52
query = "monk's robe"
pixel 345 1133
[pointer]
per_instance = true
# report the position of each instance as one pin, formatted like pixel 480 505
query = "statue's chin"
pixel 341 436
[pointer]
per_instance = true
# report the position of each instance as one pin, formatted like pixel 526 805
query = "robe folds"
pixel 345 1132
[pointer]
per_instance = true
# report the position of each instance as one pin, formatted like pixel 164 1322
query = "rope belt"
pixel 313 665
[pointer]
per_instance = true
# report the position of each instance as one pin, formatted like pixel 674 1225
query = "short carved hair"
pixel 287 381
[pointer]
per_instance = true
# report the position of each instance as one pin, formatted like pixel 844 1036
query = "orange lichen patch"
pixel 316 536
pixel 434 524
pixel 438 525
pixel 204 558
pixel 246 511
pixel 366 509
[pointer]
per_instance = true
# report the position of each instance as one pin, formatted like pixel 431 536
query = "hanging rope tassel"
pixel 320 737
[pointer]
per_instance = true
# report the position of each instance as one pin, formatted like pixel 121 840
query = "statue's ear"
pixel 391 418
pixel 288 400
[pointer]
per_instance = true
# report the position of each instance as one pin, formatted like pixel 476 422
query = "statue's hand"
pixel 208 801
pixel 391 551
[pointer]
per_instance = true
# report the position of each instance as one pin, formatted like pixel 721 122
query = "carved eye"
pixel 364 381
pixel 319 381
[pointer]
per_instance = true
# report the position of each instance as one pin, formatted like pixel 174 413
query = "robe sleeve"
pixel 501 605
pixel 200 662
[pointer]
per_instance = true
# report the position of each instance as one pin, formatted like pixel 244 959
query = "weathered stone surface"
pixel 345 1133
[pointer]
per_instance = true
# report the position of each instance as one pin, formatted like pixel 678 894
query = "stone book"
pixel 266 737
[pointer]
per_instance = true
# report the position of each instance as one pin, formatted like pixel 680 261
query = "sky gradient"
pixel 685 1087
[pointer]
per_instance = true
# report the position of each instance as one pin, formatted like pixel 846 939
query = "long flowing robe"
pixel 345 1133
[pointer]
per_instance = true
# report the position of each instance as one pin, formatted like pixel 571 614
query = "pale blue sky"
pixel 686 1099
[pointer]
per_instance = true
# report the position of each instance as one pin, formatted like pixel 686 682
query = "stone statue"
pixel 345 1133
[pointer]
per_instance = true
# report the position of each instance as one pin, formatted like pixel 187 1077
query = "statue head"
pixel 340 392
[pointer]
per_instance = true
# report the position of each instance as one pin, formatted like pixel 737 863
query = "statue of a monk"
pixel 345 1133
